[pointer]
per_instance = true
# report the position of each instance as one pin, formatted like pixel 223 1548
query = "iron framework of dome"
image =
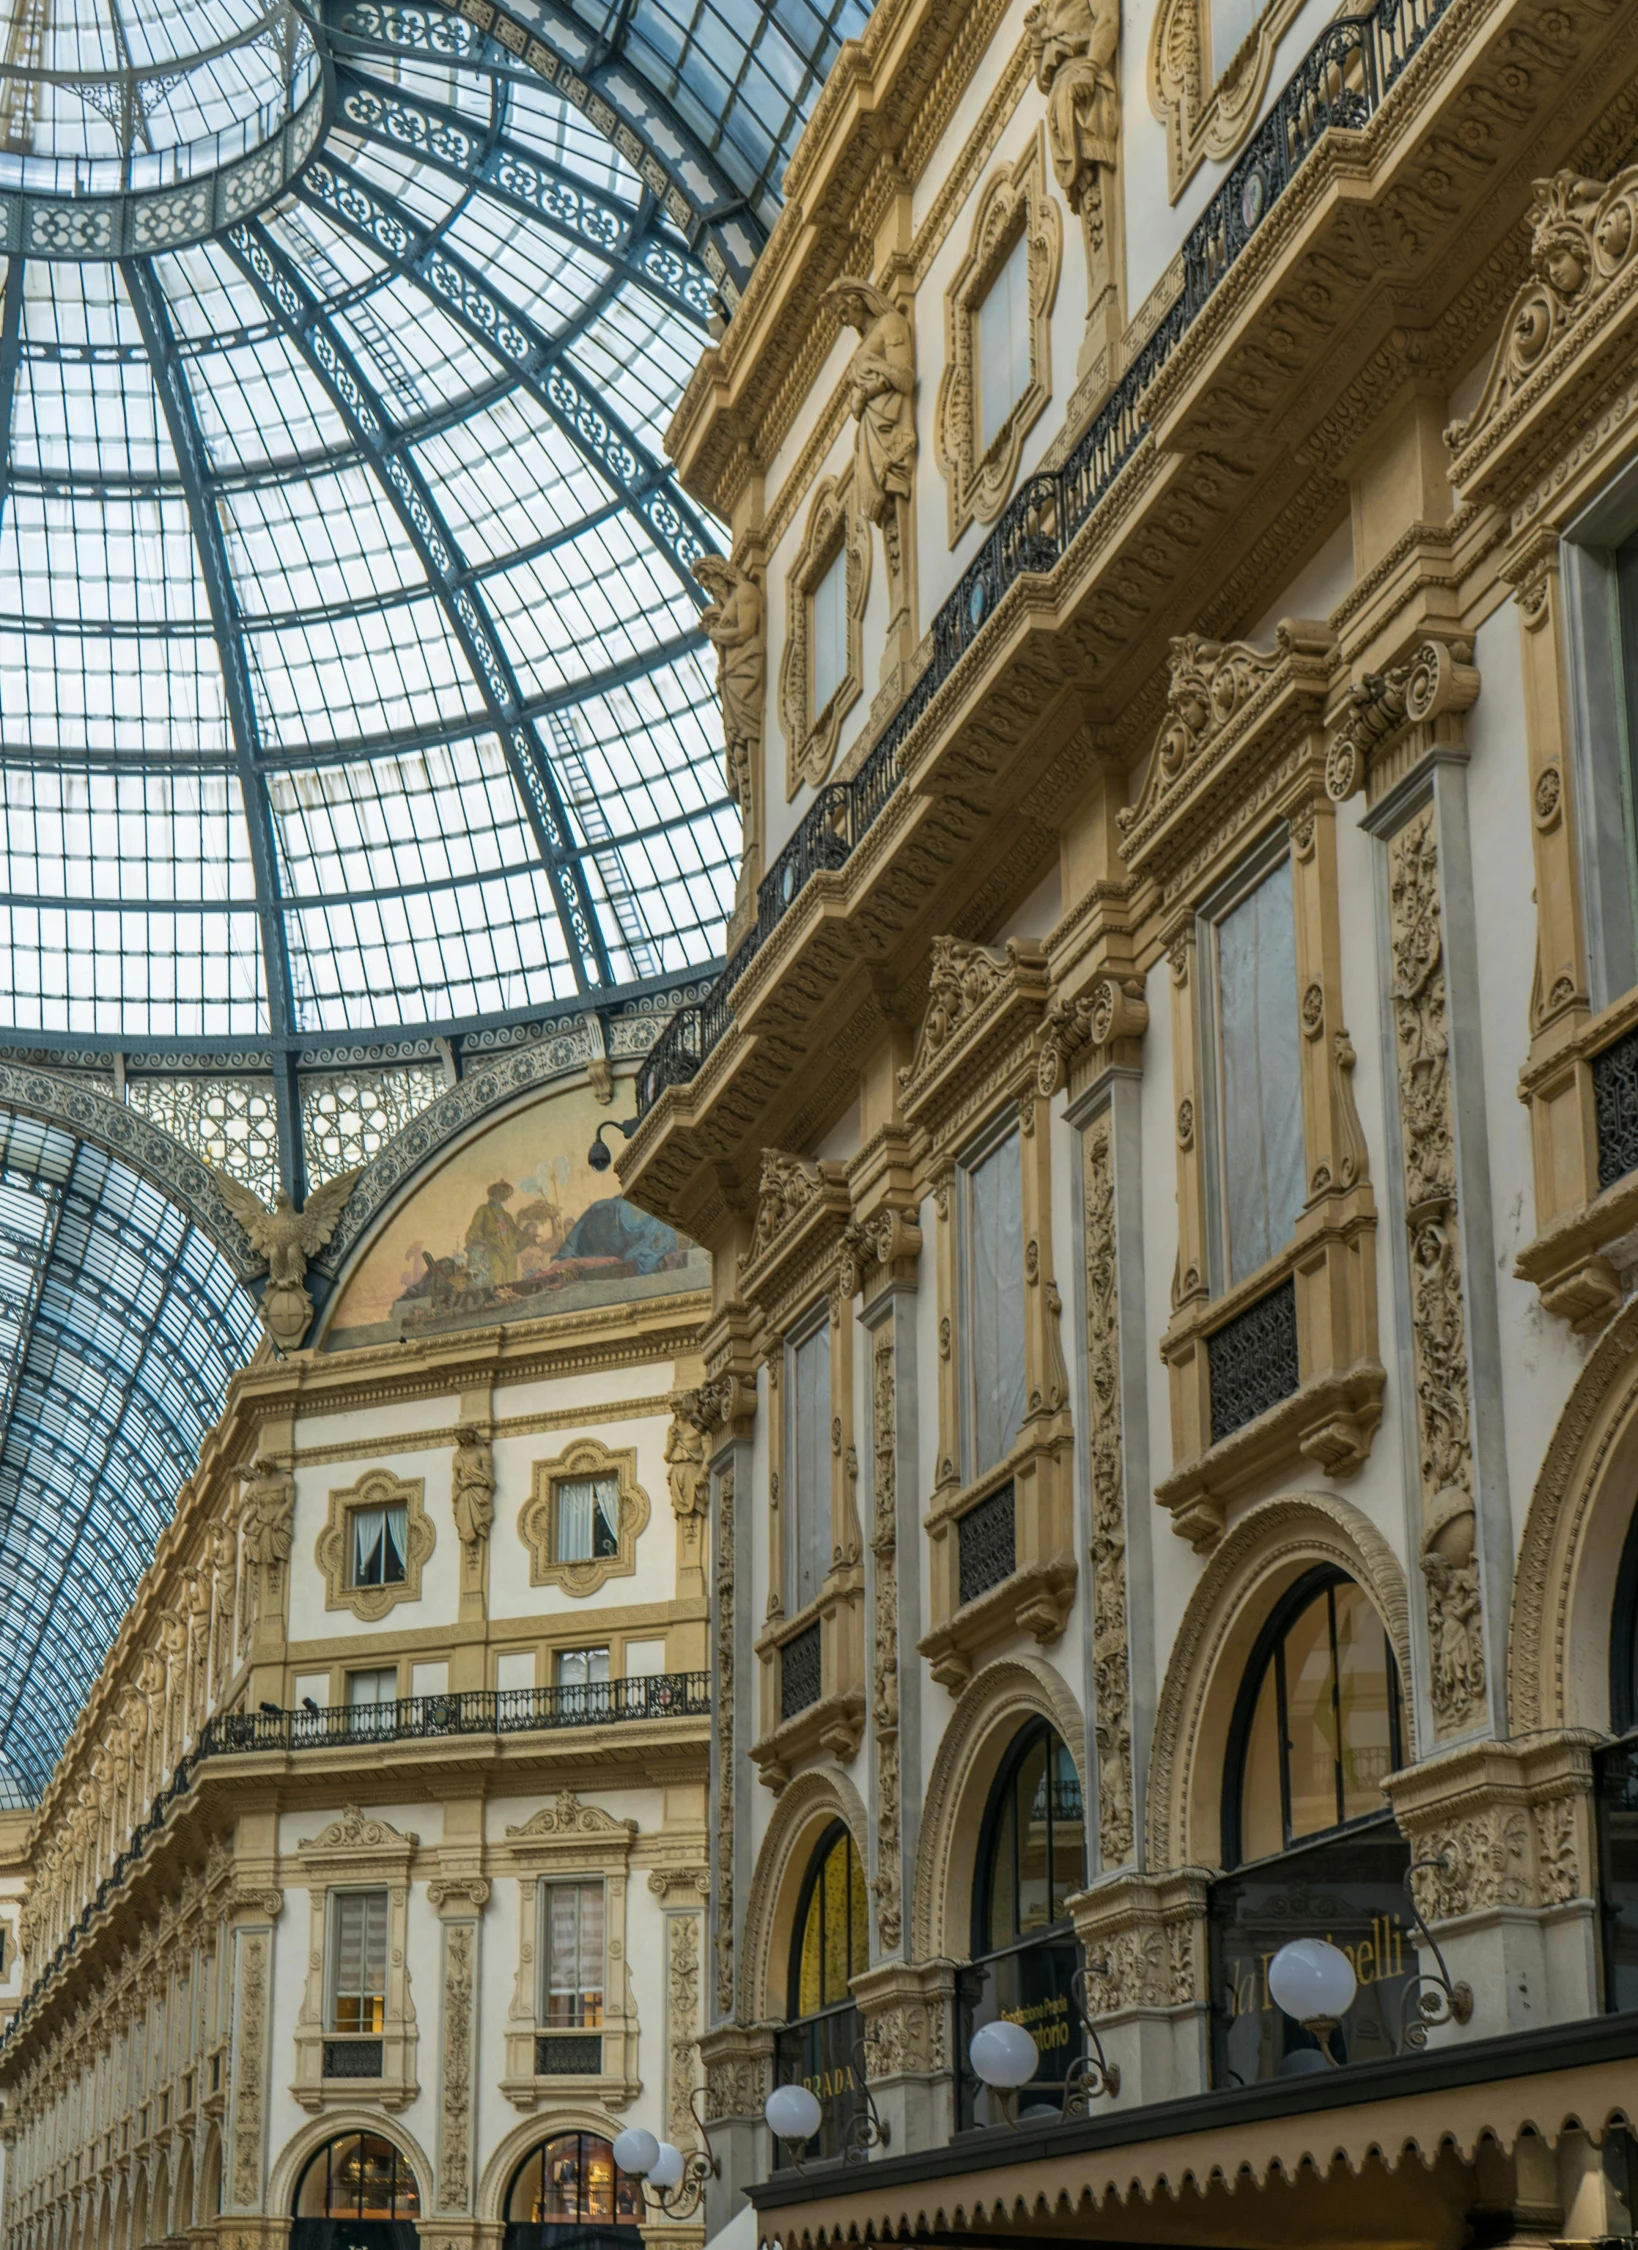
pixel 354 728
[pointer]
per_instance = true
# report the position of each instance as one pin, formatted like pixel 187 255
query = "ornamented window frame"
pixel 376 1488
pixel 566 1841
pixel 1212 121
pixel 537 1521
pixel 1243 755
pixel 1013 204
pixel 364 1852
pixel 834 525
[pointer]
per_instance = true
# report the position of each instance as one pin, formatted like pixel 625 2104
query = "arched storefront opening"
pixel 357 2192
pixel 829 1947
pixel 569 2194
pixel 1312 1847
pixel 1618 1790
pixel 1031 1862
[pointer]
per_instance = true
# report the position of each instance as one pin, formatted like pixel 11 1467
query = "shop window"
pixel 1032 1861
pixel 1316 1729
pixel 571 1956
pixel 1617 1785
pixel 808 1476
pixel 360 2189
pixel 831 1946
pixel 1004 331
pixel 378 1545
pixel 1260 1174
pixel 993 1327
pixel 587 1526
pixel 571 2181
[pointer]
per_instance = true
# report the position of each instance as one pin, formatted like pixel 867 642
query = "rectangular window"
pixel 1003 344
pixel 827 633
pixel 1261 1160
pixel 380 1542
pixel 582 1667
pixel 587 1518
pixel 372 1699
pixel 1232 23
pixel 808 1484
pixel 571 1956
pixel 1599 558
pixel 994 1323
pixel 358 1961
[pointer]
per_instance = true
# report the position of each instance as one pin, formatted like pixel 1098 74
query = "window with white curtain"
pixel 379 1545
pixel 994 1323
pixel 587 1524
pixel 571 1956
pixel 1003 344
pixel 1261 1157
pixel 808 1479
pixel 358 1961
pixel 1232 24
pixel 827 635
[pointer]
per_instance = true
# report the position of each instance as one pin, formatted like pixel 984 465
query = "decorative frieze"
pixel 682 2024
pixel 1438 1316
pixel 1512 1824
pixel 456 2114
pixel 723 1740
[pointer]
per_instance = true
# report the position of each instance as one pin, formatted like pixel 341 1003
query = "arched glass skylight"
pixel 120 1323
pixel 348 670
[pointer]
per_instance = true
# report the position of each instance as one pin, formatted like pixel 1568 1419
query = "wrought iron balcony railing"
pixel 1340 83
pixel 420 1718
pixel 415 1718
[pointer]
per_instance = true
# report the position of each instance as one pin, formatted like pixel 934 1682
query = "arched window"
pixel 1314 1849
pixel 1031 1862
pixel 1317 1726
pixel 570 2181
pixel 829 1947
pixel 357 2189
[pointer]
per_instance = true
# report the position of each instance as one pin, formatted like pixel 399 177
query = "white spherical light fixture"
pixel 1312 1980
pixel 636 2151
pixel 1003 2055
pixel 666 2171
pixel 793 2113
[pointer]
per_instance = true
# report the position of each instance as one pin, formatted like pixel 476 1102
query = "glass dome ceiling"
pixel 348 670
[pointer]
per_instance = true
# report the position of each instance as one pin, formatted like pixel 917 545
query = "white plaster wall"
pixel 393 1419
pixel 440 1581
pixel 510 1593
pixel 935 1701
pixel 1540 1357
pixel 592 1386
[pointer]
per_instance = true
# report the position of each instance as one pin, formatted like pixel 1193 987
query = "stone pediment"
pixel 1566 337
pixel 1402 705
pixel 803 1209
pixel 980 1000
pixel 358 1832
pixel 1231 711
pixel 569 1817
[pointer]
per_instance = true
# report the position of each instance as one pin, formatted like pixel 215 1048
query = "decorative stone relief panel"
pixel 723 1733
pixel 887 1882
pixel 1112 1687
pixel 1438 1322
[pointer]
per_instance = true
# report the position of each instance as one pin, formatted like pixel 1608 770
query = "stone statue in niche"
pixel 472 1487
pixel 735 625
pixel 685 1458
pixel 268 1504
pixel 1075 43
pixel 881 397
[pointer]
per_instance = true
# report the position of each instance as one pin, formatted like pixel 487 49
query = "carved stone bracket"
pixel 1392 718
pixel 1143 1939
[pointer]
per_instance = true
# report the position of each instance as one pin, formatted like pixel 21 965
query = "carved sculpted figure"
pixel 735 625
pixel 268 1503
pixel 472 1486
pixel 881 397
pixel 685 1461
pixel 1075 43
pixel 287 1238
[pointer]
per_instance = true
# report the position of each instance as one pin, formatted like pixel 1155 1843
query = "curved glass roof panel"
pixel 120 1323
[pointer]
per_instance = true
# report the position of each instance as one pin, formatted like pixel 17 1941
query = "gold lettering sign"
pixel 1377 1959
pixel 1047 2021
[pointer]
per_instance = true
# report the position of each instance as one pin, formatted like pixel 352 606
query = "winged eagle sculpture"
pixel 287 1238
